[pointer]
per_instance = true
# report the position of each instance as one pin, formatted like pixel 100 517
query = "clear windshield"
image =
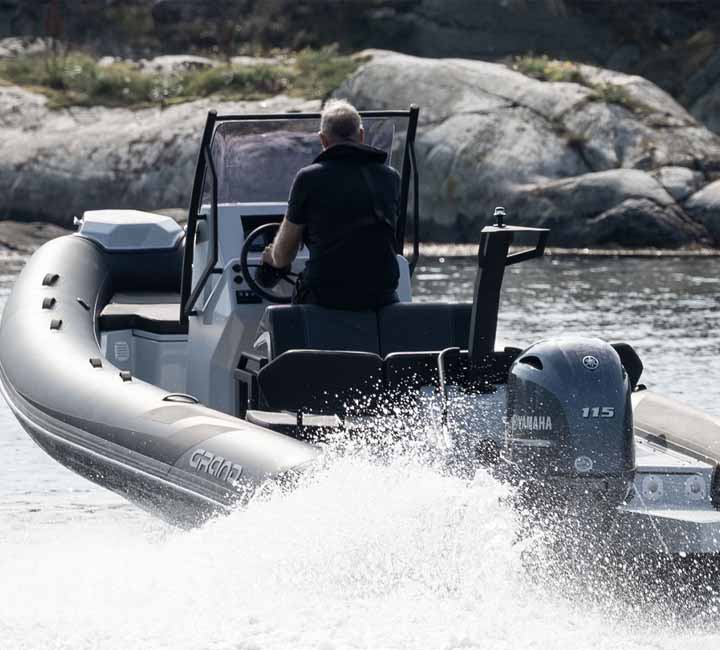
pixel 256 160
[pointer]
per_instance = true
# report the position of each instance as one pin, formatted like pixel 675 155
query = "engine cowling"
pixel 569 416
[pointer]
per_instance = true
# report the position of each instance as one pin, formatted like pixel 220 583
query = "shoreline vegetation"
pixel 71 78
pixel 76 78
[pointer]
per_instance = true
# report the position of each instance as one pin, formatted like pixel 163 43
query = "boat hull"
pixel 180 460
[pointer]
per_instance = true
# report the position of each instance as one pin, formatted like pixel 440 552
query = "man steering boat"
pixel 344 208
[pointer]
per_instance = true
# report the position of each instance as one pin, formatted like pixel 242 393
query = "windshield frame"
pixel 205 165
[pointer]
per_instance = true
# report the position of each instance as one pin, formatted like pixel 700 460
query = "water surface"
pixel 367 555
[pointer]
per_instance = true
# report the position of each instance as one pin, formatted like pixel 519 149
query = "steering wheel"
pixel 280 275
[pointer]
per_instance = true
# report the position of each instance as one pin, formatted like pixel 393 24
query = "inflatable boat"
pixel 151 359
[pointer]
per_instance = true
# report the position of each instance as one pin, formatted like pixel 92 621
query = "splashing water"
pixel 363 555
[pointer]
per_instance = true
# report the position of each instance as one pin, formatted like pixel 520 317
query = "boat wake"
pixel 365 554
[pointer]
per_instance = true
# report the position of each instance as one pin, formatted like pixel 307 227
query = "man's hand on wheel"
pixel 267 256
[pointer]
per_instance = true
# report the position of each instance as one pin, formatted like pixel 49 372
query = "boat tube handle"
pixel 445 355
pixel 181 397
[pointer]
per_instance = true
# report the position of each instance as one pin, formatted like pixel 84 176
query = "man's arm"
pixel 285 247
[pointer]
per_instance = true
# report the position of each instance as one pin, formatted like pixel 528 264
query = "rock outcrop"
pixel 54 165
pixel 24 238
pixel 704 206
pixel 671 42
pixel 608 159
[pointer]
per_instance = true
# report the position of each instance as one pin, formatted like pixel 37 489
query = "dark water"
pixel 667 308
pixel 367 556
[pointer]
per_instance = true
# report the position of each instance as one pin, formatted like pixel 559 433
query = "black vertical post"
pixel 492 255
pixel 407 170
pixel 196 197
pixel 495 242
pixel 416 211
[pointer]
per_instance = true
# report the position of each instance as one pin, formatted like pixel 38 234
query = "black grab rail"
pixel 407 168
pixel 195 198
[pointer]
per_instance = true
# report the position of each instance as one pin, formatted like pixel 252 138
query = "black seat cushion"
pixel 407 370
pixel 152 312
pixel 321 381
pixel 298 327
pixel 417 327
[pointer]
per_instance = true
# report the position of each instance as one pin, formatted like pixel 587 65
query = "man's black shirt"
pixel 348 202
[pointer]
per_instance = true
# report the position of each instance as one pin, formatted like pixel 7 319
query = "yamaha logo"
pixel 590 362
pixel 583 464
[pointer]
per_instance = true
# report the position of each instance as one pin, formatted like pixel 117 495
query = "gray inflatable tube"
pixel 179 459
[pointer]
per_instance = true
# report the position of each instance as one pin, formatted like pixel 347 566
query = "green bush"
pixel 319 72
pixel 76 79
pixel 247 82
pixel 612 94
pixel 546 69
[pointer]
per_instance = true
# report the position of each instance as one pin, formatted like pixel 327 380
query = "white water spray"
pixel 364 555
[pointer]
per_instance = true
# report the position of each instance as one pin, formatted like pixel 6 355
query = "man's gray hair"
pixel 340 120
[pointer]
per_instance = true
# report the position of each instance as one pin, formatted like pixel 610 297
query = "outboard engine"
pixel 569 420
pixel 569 415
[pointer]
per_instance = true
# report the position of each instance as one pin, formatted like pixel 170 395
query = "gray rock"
pixel 601 161
pixel 24 238
pixel 174 63
pixel 680 182
pixel 20 108
pixel 107 61
pixel 604 208
pixel 641 222
pixel 704 206
pixel 551 152
pixel 261 60
pixel 14 46
pixel 61 163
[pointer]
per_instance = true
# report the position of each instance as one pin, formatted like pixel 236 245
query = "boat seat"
pixel 158 313
pixel 401 327
pixel 303 327
pixel 321 381
pixel 322 357
pixel 409 370
pixel 418 327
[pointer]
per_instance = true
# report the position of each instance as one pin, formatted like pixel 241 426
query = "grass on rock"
pixel 76 79
pixel 544 68
pixel 547 69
